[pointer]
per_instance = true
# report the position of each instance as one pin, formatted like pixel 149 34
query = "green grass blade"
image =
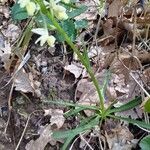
pixel 135 122
pixel 73 112
pixel 65 134
pixel 145 143
pixel 67 142
pixel 69 135
pixel 68 104
pixel 127 106
pixel 87 120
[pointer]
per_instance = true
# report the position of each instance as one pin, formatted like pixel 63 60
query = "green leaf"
pixel 72 133
pixel 18 13
pixel 65 134
pixel 69 27
pixel 135 122
pixel 77 11
pixel 68 104
pixel 127 106
pixel 80 24
pixel 73 112
pixel 86 120
pixel 147 106
pixel 86 58
pixel 145 143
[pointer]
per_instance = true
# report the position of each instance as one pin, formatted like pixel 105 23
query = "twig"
pixel 9 107
pixel 134 32
pixel 130 73
pixel 25 128
pixel 71 147
pixel 82 138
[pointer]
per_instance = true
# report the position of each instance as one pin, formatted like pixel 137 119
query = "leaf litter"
pixel 46 78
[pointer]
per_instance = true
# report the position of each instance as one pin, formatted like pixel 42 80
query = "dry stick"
pixel 135 79
pixel 71 147
pixel 97 28
pixel 82 138
pixel 134 32
pixel 146 118
pixel 23 132
pixel 9 107
pixel 87 145
pixel 25 128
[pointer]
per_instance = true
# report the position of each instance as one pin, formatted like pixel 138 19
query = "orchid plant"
pixel 56 13
pixel 56 10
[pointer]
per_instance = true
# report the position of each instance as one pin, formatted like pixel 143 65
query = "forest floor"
pixel 118 47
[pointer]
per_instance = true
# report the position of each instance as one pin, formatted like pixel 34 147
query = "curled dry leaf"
pixel 4 10
pixel 5 53
pixel 75 69
pixel 120 138
pixel 41 142
pixel 57 117
pixel 115 8
pixel 12 32
pixel 22 82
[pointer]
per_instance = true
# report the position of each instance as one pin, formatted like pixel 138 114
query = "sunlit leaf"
pixel 131 104
pixel 18 13
pixel 147 106
pixel 79 24
pixel 69 27
pixel 145 143
pixel 77 12
pixel 135 122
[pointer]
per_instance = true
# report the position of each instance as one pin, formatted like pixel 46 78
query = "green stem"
pixel 70 43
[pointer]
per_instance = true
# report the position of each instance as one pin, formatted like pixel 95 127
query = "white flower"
pixel 44 37
pixel 23 3
pixel 60 12
pixel 30 6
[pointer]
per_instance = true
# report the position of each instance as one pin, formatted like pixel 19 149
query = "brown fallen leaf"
pixel 41 142
pixel 57 117
pixel 12 32
pixel 75 68
pixel 5 10
pixel 22 82
pixel 5 53
pixel 119 137
pixel 115 8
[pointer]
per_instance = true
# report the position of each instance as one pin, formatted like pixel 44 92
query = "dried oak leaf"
pixel 5 53
pixel 41 142
pixel 120 138
pixel 23 83
pixel 75 68
pixel 12 32
pixel 125 92
pixel 57 117
pixel 5 10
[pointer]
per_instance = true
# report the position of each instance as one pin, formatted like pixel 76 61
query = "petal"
pixel 60 12
pixel 23 3
pixel 40 31
pixel 62 16
pixel 31 7
pixel 58 8
pixel 43 39
pixel 51 40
